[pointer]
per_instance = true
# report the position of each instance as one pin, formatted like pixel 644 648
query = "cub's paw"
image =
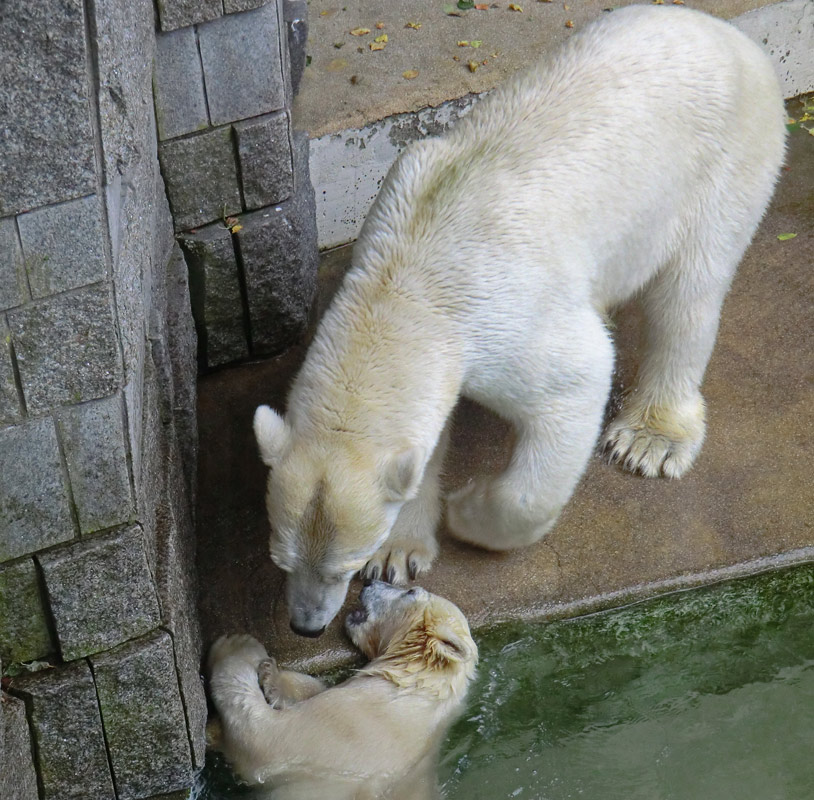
pixel 241 646
pixel 656 440
pixel 399 560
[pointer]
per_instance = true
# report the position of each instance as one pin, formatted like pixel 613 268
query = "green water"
pixel 706 695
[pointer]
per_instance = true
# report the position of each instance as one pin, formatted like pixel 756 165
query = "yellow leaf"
pixel 382 38
pixel 473 65
pixel 414 25
pixel 515 7
pixel 410 74
pixel 359 31
pixel 569 23
pixel 379 26
pixel 236 228
pixel 378 45
pixel 463 43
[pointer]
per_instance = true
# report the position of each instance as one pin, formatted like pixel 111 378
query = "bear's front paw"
pixel 400 560
pixel 240 646
pixel 656 440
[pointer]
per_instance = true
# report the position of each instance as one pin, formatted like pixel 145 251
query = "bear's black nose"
pixel 309 632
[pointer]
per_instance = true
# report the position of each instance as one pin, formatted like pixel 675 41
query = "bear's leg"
pixel 412 547
pixel 555 395
pixel 661 426
pixel 283 688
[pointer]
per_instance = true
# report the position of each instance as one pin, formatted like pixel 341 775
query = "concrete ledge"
pixel 360 132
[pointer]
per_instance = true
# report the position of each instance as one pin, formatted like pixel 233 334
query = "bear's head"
pixel 331 505
pixel 415 639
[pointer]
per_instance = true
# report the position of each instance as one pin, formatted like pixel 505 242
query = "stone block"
pixel 180 13
pixel 242 64
pixel 233 6
pixel 34 502
pixel 46 140
pixel 100 592
pixel 180 104
pixel 295 14
pixel 10 409
pixel 143 717
pixel 216 296
pixel 67 731
pixel 278 247
pixel 182 344
pixel 63 246
pixel 12 273
pixel 200 174
pixel 66 348
pixel 264 151
pixel 124 39
pixel 93 440
pixel 18 778
pixel 24 634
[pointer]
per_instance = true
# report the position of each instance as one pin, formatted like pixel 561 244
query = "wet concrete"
pixel 745 506
pixel 347 85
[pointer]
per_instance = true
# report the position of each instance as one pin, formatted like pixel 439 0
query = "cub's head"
pixel 330 506
pixel 415 639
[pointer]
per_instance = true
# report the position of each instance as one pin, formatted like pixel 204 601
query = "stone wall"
pixel 97 417
pixel 236 174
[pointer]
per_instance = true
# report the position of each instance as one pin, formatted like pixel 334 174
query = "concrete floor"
pixel 347 85
pixel 745 506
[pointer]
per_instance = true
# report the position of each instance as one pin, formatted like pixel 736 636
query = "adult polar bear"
pixel 639 158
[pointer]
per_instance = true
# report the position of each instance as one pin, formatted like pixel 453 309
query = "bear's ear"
pixel 403 473
pixel 446 645
pixel 271 433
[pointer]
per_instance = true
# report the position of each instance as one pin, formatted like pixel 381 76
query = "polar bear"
pixel 638 159
pixel 377 734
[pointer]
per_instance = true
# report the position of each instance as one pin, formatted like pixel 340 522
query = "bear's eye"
pixel 412 592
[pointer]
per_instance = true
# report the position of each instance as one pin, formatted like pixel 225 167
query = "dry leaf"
pixel 473 65
pixel 658 2
pixel 382 38
pixel 569 23
pixel 339 45
pixel 354 79
pixel 410 74
pixel 379 26
pixel 515 7
pixel 414 25
pixel 481 6
pixel 378 45
pixel 463 43
pixel 230 221
pixel 236 228
pixel 359 31
pixel 485 61
pixel 678 2
pixel 456 58
pixel 545 1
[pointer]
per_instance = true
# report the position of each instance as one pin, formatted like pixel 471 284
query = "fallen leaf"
pixel 410 74
pixel 451 11
pixel 456 58
pixel 481 6
pixel 379 26
pixel 382 38
pixel 473 65
pixel 230 221
pixel 308 61
pixel 658 2
pixel 359 31
pixel 414 25
pixel 485 61
pixel 465 5
pixel 236 228
pixel 354 79
pixel 339 45
pixel 378 45
pixel 463 43
pixel 336 65
pixel 678 2
pixel 515 7
pixel 784 237
pixel 476 43
pixel 545 1
pixel 569 23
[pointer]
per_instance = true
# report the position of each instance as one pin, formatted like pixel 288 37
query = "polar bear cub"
pixel 376 735
pixel 638 159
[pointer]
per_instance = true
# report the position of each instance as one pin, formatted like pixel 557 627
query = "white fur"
pixel 638 159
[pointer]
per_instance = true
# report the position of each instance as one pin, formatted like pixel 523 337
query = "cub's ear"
pixel 402 474
pixel 447 645
pixel 271 433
